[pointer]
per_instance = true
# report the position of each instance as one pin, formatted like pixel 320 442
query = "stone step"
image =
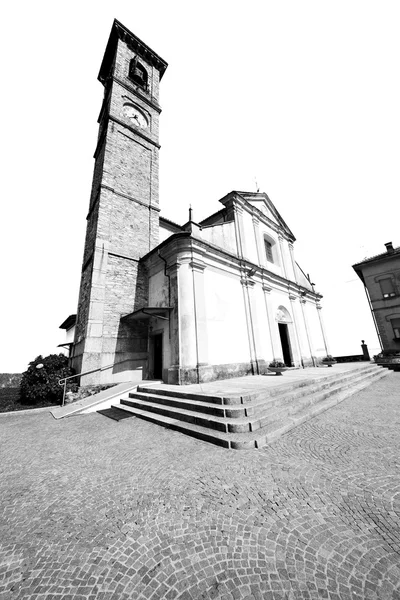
pixel 258 402
pixel 248 431
pixel 209 398
pixel 253 420
pixel 237 399
pixel 291 403
pixel 249 440
pixel 218 410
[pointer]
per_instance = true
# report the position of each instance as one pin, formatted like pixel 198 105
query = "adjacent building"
pixel 380 275
pixel 182 303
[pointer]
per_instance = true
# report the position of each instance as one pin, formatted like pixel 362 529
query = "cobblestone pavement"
pixel 95 509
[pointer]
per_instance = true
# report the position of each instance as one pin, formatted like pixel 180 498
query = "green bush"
pixel 40 381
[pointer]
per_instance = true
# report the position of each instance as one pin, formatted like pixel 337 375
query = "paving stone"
pixel 93 508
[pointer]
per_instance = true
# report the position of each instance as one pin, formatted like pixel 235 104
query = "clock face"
pixel 135 116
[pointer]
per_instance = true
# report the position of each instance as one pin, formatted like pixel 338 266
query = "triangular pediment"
pixel 264 206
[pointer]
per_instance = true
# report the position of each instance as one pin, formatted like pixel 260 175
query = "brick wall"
pixel 122 224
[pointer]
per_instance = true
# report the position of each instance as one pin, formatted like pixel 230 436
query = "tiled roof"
pixel 377 256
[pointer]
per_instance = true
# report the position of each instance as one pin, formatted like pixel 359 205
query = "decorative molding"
pixel 281 317
pixel 267 289
pixel 247 282
pixel 135 91
pixel 292 297
pixel 134 131
pixel 197 265
pixel 131 198
pixel 136 45
pixel 124 256
pixel 392 316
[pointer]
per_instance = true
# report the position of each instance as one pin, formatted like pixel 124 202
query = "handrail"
pixel 63 381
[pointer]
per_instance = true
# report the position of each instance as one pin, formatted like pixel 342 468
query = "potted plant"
pixel 277 366
pixel 328 360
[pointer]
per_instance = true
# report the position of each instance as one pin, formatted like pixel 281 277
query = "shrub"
pixel 328 358
pixel 40 381
pixel 277 363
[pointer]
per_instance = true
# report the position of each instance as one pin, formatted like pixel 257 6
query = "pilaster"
pixel 321 321
pixel 239 231
pixel 198 266
pixel 283 259
pixel 307 330
pixel 291 252
pixel 299 348
pixel 257 238
pixel 273 330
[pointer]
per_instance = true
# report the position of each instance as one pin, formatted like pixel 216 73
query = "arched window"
pixel 270 250
pixel 138 73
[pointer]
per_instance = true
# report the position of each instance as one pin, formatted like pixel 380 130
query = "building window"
pixel 138 73
pixel 387 288
pixel 268 251
pixel 396 328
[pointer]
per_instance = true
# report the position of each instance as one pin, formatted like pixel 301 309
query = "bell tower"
pixel 123 216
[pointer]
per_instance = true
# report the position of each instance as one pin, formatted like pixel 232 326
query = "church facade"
pixel 182 303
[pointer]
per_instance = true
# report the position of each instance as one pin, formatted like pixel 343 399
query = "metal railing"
pixel 65 379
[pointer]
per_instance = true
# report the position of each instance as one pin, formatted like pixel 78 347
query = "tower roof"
pixel 120 32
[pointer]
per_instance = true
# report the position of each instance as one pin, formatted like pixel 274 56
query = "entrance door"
pixel 285 341
pixel 157 356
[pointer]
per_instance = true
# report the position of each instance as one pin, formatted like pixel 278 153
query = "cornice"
pixel 124 256
pixel 137 93
pixel 136 44
pixel 131 198
pixel 134 131
pixel 255 212
pixel 197 265
pixel 184 241
pixel 120 32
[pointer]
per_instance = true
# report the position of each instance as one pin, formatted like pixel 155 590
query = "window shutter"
pixel 386 286
pixel 396 328
pixel 268 251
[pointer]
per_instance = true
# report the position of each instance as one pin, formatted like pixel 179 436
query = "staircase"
pixel 252 420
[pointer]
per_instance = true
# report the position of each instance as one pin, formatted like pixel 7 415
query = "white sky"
pixel 304 96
